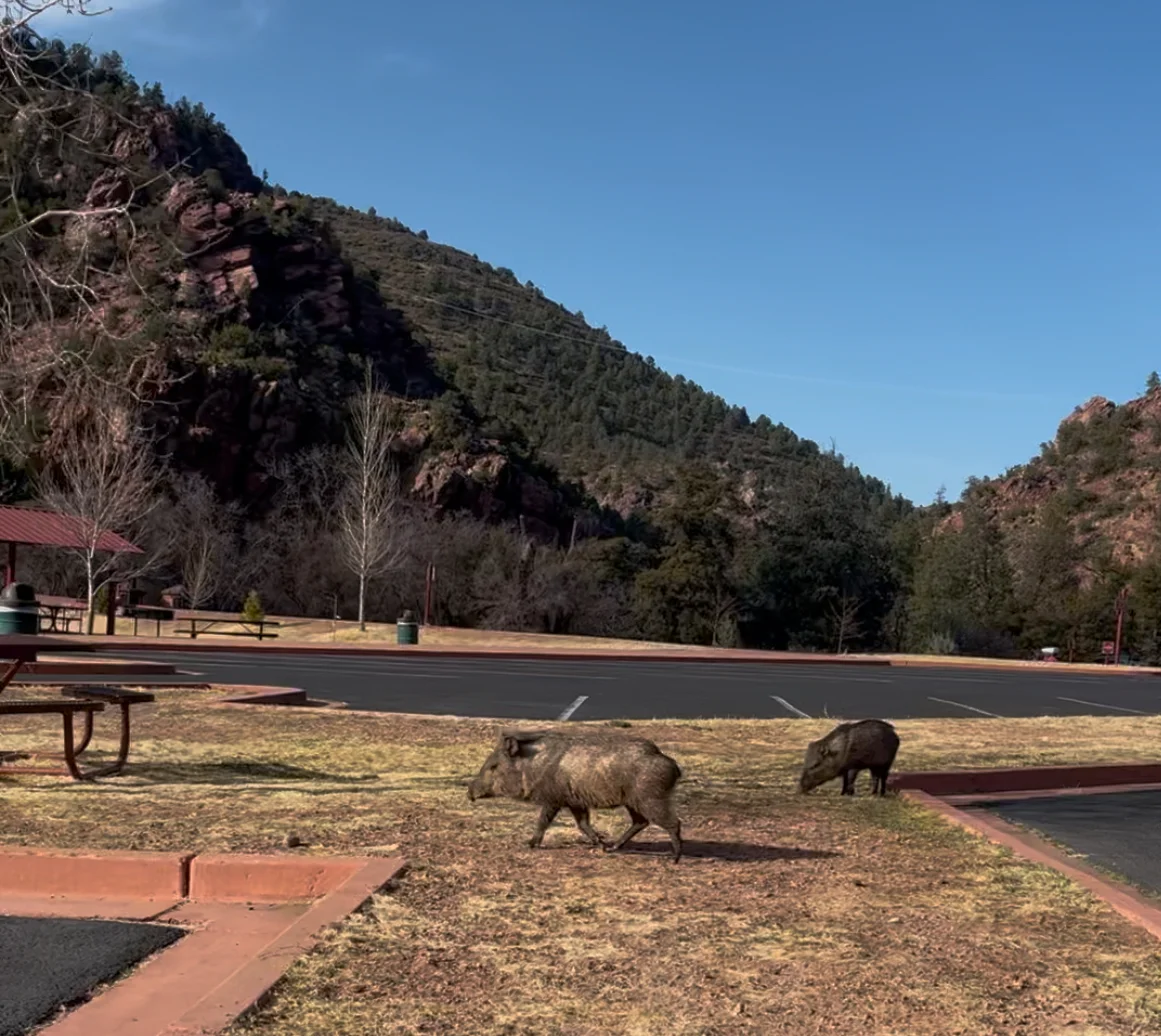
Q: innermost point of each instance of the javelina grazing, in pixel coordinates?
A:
(580, 772)
(869, 744)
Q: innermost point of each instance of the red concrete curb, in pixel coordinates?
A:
(93, 874)
(250, 986)
(247, 918)
(230, 878)
(532, 654)
(753, 656)
(1126, 901)
(1028, 778)
(264, 695)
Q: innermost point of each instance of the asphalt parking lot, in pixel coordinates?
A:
(1117, 831)
(632, 689)
(49, 961)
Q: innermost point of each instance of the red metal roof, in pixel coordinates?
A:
(35, 528)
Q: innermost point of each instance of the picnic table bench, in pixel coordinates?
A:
(250, 627)
(86, 700)
(152, 612)
(61, 613)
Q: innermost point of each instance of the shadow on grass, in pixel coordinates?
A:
(738, 852)
(234, 772)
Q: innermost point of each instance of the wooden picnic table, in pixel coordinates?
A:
(58, 613)
(18, 648)
(86, 700)
(147, 611)
(250, 627)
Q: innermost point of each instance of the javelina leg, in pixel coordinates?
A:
(581, 816)
(663, 816)
(879, 776)
(849, 781)
(547, 816)
(635, 828)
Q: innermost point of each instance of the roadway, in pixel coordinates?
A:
(642, 689)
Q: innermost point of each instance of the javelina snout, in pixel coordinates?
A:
(869, 744)
(580, 772)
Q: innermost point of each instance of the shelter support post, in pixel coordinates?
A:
(10, 567)
(111, 611)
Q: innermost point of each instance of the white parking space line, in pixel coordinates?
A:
(1101, 705)
(966, 679)
(961, 705)
(567, 714)
(790, 708)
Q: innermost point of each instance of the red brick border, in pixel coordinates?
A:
(947, 792)
(249, 918)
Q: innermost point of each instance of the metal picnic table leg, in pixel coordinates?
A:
(122, 750)
(14, 667)
(70, 755)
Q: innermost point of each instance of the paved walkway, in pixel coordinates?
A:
(48, 961)
(1117, 831)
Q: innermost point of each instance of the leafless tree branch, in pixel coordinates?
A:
(107, 480)
(372, 538)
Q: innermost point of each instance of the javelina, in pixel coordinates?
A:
(582, 772)
(869, 744)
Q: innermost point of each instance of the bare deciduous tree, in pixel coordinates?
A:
(844, 614)
(202, 536)
(106, 479)
(370, 531)
(60, 267)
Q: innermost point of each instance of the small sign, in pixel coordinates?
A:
(1108, 647)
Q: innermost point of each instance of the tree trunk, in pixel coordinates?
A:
(362, 600)
(92, 594)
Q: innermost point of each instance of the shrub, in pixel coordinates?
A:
(252, 609)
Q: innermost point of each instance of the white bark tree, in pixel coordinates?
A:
(371, 534)
(106, 479)
(202, 530)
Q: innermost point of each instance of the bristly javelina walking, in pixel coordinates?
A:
(584, 771)
(869, 744)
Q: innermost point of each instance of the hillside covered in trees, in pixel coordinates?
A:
(1039, 556)
(555, 479)
(155, 288)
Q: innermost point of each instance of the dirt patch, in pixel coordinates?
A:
(790, 914)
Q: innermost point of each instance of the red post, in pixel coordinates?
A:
(427, 594)
(111, 610)
(1121, 601)
(10, 568)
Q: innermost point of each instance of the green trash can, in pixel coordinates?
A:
(19, 609)
(406, 629)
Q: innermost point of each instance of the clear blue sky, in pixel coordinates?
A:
(925, 229)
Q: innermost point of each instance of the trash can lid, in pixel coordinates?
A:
(21, 592)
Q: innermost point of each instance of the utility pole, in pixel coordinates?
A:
(1122, 601)
(430, 582)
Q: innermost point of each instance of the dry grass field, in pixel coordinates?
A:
(790, 913)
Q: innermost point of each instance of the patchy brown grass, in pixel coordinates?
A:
(790, 914)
